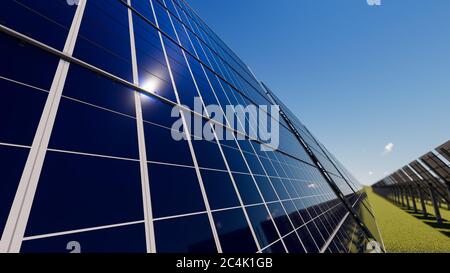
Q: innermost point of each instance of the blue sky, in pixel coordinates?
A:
(359, 76)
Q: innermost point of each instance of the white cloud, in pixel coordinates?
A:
(388, 148)
(370, 173)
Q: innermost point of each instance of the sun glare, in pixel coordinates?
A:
(151, 86)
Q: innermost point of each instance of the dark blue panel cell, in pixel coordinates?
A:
(332, 248)
(266, 188)
(186, 234)
(202, 83)
(163, 20)
(315, 234)
(307, 240)
(268, 167)
(20, 111)
(280, 218)
(77, 192)
(262, 224)
(47, 21)
(293, 244)
(275, 248)
(235, 160)
(247, 189)
(154, 76)
(181, 74)
(195, 42)
(279, 187)
(160, 140)
(234, 232)
(246, 146)
(301, 207)
(289, 170)
(255, 165)
(271, 156)
(301, 187)
(220, 190)
(12, 160)
(208, 154)
(143, 8)
(26, 63)
(279, 169)
(322, 226)
(293, 213)
(171, 7)
(330, 218)
(217, 88)
(289, 188)
(309, 202)
(156, 111)
(84, 128)
(174, 190)
(85, 85)
(104, 24)
(124, 239)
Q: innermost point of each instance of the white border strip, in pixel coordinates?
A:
(145, 184)
(18, 216)
(35, 237)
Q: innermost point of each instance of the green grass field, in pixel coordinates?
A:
(404, 231)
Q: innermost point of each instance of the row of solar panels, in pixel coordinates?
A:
(426, 179)
(339, 178)
(97, 100)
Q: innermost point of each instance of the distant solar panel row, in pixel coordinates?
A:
(426, 179)
(89, 159)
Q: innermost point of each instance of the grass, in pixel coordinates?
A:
(405, 231)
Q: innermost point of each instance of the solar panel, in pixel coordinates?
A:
(107, 141)
(437, 165)
(444, 150)
(427, 176)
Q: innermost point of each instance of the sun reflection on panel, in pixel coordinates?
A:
(151, 86)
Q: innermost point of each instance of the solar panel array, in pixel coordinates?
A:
(89, 161)
(424, 180)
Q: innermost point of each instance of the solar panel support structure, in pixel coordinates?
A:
(434, 201)
(413, 198)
